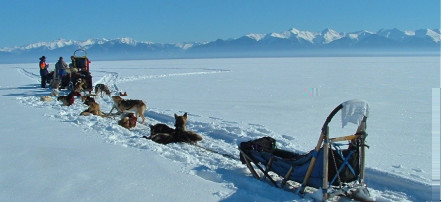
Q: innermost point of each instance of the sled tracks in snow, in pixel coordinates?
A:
(112, 79)
(142, 77)
(30, 75)
(218, 135)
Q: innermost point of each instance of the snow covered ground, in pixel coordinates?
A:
(50, 153)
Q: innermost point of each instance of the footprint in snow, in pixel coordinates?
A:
(255, 125)
(229, 122)
(397, 166)
(417, 170)
(288, 137)
(208, 174)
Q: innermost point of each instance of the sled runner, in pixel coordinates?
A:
(329, 167)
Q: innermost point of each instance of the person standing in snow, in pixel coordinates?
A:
(44, 73)
(61, 68)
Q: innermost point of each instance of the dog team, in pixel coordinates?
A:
(129, 110)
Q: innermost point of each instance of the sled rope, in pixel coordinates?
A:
(208, 150)
(217, 152)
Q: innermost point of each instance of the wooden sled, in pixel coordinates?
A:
(336, 171)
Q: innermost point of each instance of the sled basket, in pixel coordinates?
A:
(328, 167)
(80, 60)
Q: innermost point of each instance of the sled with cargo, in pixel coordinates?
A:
(336, 166)
(79, 69)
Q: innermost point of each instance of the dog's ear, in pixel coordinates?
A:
(176, 116)
(185, 116)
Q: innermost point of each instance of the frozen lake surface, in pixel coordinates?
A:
(234, 100)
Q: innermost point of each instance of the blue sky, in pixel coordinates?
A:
(171, 21)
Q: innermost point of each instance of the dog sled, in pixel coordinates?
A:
(329, 167)
(79, 70)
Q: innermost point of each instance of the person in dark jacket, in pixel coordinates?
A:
(44, 73)
(61, 68)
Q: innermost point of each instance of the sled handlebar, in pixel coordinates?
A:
(330, 116)
(82, 50)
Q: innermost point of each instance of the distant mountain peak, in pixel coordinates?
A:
(330, 35)
(282, 35)
(294, 31)
(256, 37)
(428, 33)
(128, 41)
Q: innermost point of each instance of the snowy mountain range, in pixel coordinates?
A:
(287, 43)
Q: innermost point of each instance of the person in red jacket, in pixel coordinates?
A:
(44, 73)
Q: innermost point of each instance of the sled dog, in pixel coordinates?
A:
(55, 83)
(46, 98)
(128, 120)
(79, 85)
(69, 99)
(94, 108)
(123, 105)
(163, 134)
(65, 100)
(180, 124)
(87, 99)
(160, 128)
(101, 88)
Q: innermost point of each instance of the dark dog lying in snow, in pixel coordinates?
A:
(69, 99)
(163, 134)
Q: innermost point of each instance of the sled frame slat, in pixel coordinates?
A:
(268, 166)
(248, 161)
(287, 176)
